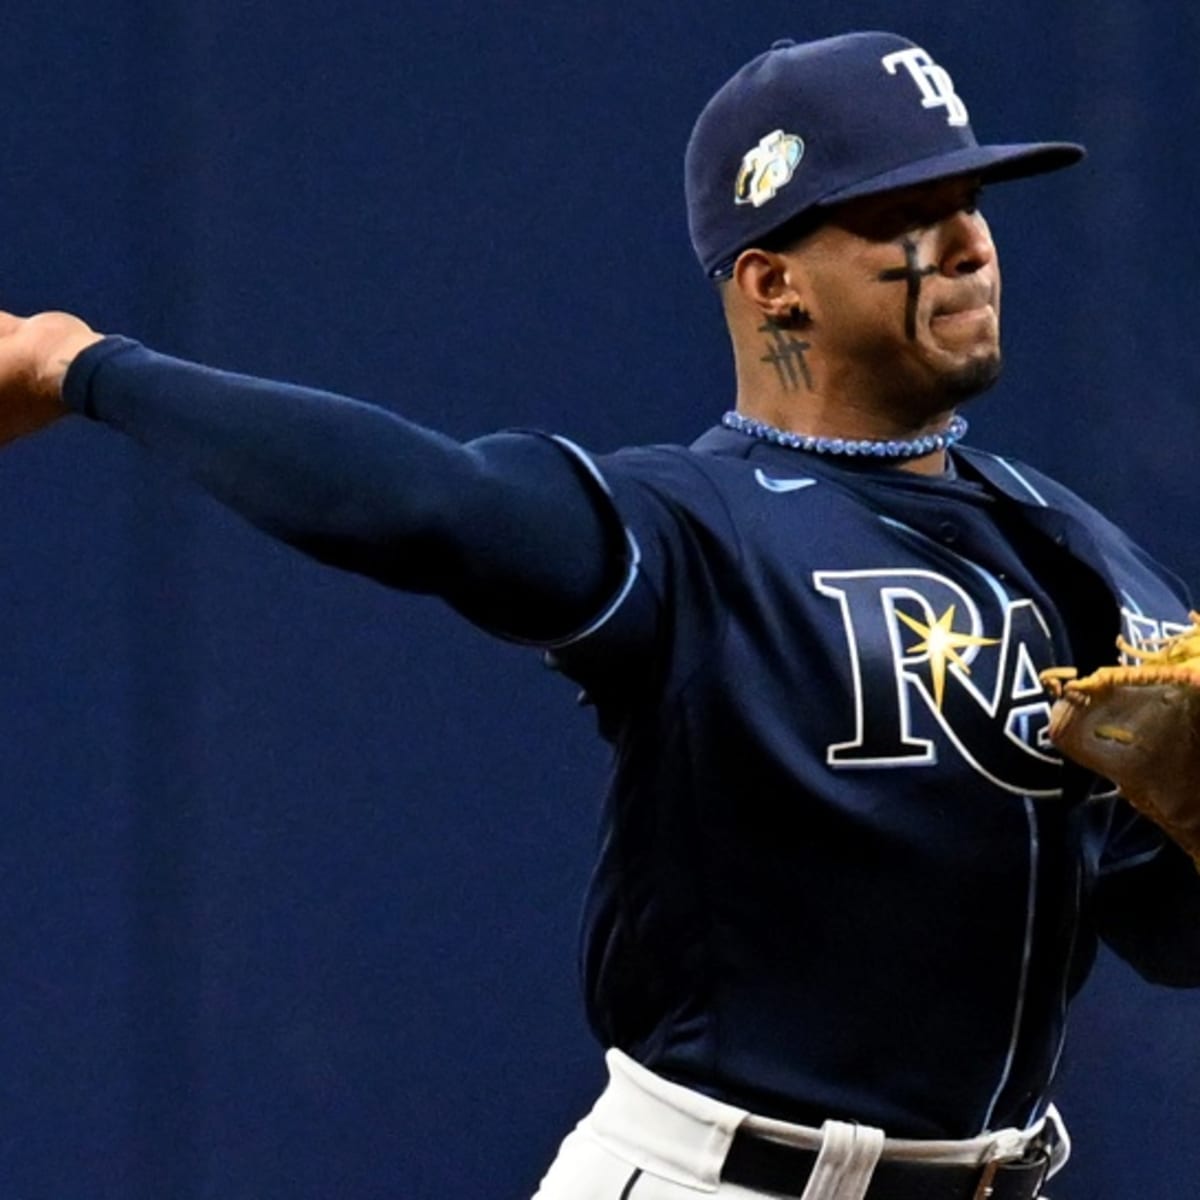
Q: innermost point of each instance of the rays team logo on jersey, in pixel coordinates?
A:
(933, 82)
(936, 669)
(930, 674)
(767, 168)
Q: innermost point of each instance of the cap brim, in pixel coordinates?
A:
(992, 164)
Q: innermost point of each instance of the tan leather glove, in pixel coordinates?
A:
(1139, 726)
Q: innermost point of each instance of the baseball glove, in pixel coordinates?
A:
(1139, 725)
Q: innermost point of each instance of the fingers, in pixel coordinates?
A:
(9, 323)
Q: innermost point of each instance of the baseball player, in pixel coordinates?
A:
(847, 884)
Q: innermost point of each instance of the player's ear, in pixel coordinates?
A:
(771, 284)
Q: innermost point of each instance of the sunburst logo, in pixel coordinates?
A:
(941, 645)
(928, 687)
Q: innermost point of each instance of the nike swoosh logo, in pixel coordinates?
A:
(781, 485)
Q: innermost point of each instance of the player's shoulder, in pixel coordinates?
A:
(1028, 485)
(715, 462)
(719, 494)
(721, 472)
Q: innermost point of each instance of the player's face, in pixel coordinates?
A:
(905, 286)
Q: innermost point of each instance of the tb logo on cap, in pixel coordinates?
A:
(937, 88)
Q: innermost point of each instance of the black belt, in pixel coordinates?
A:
(767, 1166)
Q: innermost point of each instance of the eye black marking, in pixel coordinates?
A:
(911, 274)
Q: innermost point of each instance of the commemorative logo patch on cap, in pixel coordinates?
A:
(767, 168)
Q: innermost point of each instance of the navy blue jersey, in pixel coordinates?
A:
(843, 872)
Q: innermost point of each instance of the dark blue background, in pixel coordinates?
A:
(291, 865)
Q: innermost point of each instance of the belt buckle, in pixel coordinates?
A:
(986, 1187)
(987, 1180)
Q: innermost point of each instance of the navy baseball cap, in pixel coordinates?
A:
(803, 127)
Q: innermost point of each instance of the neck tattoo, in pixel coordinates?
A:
(787, 354)
(862, 447)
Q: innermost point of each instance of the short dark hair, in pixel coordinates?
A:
(786, 237)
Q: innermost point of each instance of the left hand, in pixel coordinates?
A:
(35, 353)
(1139, 726)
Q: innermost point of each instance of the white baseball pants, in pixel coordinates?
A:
(648, 1139)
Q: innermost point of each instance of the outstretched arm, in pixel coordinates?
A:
(513, 529)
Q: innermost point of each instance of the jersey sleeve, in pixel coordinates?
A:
(1147, 902)
(516, 530)
(685, 554)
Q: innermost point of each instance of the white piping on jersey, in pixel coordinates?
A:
(1063, 1002)
(1133, 606)
(1020, 479)
(1126, 864)
(1026, 956)
(635, 553)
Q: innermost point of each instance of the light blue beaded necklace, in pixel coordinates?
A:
(863, 447)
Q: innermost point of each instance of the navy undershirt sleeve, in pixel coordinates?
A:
(1149, 914)
(511, 529)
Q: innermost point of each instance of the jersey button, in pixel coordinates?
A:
(948, 532)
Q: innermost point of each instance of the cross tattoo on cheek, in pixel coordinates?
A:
(912, 273)
(787, 355)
